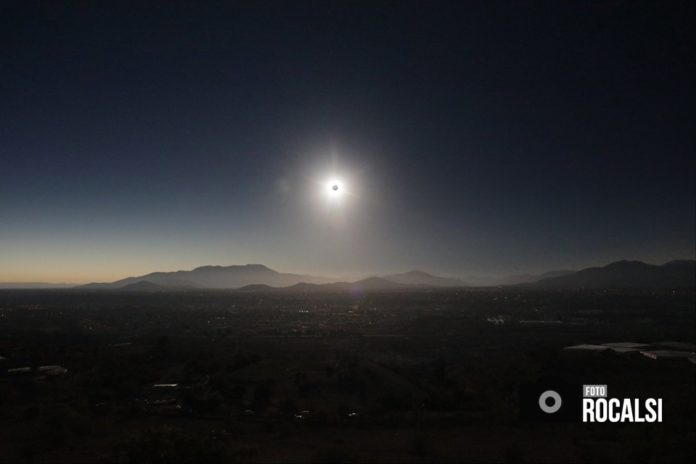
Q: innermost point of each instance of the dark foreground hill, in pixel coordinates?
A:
(628, 274)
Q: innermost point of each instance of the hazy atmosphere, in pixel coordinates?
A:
(467, 138)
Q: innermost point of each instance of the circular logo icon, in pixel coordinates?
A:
(550, 401)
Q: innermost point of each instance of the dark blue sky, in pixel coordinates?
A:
(474, 137)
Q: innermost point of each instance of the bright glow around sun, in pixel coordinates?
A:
(334, 190)
(335, 187)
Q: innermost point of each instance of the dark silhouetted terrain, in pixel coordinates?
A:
(257, 277)
(628, 274)
(266, 375)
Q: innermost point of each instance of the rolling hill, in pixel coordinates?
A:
(423, 278)
(627, 274)
(364, 285)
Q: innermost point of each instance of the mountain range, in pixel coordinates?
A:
(620, 274)
(627, 274)
(257, 277)
(215, 277)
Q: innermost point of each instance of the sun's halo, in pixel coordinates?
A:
(335, 187)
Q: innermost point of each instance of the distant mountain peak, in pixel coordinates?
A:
(215, 276)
